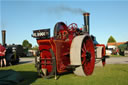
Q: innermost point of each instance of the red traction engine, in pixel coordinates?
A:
(70, 49)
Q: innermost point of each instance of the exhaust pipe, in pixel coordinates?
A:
(3, 37)
(86, 22)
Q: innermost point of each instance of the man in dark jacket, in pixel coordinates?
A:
(2, 55)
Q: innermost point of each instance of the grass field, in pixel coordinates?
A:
(108, 75)
(117, 56)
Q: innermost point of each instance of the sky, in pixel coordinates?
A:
(20, 17)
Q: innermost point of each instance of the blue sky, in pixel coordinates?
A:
(20, 17)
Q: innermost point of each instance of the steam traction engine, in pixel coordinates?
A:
(13, 52)
(70, 49)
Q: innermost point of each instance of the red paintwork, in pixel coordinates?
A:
(88, 66)
(61, 49)
(60, 44)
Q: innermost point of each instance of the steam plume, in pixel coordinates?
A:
(61, 9)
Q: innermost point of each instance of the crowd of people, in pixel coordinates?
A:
(2, 56)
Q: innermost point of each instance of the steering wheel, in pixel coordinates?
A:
(72, 27)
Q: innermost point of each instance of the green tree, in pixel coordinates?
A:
(35, 47)
(30, 45)
(26, 44)
(111, 39)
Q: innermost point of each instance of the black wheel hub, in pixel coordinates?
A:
(88, 56)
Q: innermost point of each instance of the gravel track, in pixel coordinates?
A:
(111, 60)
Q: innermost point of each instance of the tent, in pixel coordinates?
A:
(10, 77)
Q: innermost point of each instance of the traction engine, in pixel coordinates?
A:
(71, 49)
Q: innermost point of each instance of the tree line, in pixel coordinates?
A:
(28, 45)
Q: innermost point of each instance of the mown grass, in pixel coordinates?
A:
(108, 75)
(117, 56)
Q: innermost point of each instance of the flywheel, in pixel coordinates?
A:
(82, 53)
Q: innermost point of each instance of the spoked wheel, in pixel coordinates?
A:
(46, 68)
(82, 53)
(87, 56)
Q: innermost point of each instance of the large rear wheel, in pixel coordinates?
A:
(82, 53)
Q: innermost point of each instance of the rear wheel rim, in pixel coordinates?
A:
(87, 56)
(78, 56)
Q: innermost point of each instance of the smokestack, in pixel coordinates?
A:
(3, 37)
(86, 22)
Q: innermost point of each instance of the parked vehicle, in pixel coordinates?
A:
(13, 52)
(123, 48)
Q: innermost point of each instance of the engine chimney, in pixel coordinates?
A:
(86, 22)
(3, 37)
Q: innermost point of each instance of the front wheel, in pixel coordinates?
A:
(46, 64)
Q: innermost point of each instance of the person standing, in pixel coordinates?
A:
(2, 55)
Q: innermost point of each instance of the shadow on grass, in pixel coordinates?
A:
(28, 77)
(62, 74)
(31, 76)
